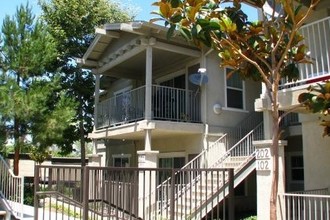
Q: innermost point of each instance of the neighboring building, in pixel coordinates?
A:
(307, 153)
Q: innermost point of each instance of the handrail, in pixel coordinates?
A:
(323, 191)
(11, 189)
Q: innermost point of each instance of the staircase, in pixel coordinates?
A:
(240, 156)
(11, 191)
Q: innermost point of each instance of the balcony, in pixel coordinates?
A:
(167, 104)
(316, 37)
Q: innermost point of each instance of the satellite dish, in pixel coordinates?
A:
(199, 78)
(268, 8)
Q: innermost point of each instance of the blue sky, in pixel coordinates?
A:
(142, 7)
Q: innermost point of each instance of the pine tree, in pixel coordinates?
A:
(32, 105)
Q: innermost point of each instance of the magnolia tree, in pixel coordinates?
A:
(317, 100)
(267, 50)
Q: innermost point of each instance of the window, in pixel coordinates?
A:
(234, 91)
(297, 168)
(170, 162)
(122, 104)
(121, 160)
(176, 82)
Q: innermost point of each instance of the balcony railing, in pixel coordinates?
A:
(316, 36)
(167, 103)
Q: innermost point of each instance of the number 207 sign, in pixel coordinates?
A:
(263, 159)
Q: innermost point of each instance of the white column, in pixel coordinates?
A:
(148, 114)
(147, 140)
(147, 182)
(268, 124)
(264, 177)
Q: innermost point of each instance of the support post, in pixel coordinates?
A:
(231, 195)
(85, 188)
(147, 180)
(36, 189)
(148, 114)
(264, 163)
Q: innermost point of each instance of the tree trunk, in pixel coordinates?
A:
(16, 147)
(274, 192)
(82, 135)
(275, 156)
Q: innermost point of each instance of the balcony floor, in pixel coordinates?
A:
(135, 130)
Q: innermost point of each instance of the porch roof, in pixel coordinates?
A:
(119, 60)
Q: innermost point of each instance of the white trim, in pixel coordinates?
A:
(122, 156)
(234, 110)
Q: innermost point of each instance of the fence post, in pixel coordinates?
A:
(36, 189)
(172, 200)
(231, 196)
(85, 189)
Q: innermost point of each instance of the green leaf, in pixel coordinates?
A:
(291, 71)
(175, 19)
(175, 3)
(214, 24)
(185, 33)
(202, 22)
(170, 31)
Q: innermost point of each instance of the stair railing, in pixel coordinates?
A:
(11, 189)
(199, 161)
(209, 156)
(243, 148)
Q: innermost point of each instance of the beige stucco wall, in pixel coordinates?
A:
(316, 153)
(323, 10)
(183, 146)
(215, 93)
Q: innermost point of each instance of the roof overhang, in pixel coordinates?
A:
(142, 35)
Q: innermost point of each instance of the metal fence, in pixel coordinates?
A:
(68, 192)
(306, 206)
(11, 189)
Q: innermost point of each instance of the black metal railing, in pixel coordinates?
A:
(167, 103)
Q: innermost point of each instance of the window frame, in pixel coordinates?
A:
(242, 90)
(121, 156)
